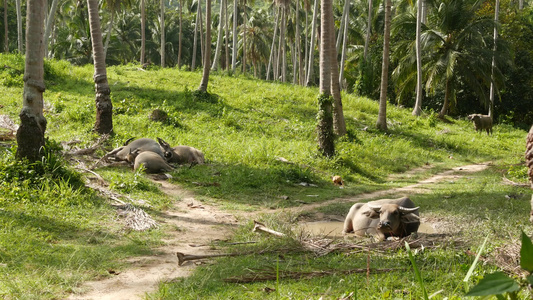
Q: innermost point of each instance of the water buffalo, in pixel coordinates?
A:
(181, 154)
(138, 146)
(481, 122)
(152, 162)
(383, 218)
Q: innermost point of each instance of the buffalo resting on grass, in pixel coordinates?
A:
(383, 218)
(155, 156)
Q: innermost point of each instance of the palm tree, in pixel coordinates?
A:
(458, 46)
(19, 25)
(48, 27)
(163, 42)
(382, 114)
(312, 45)
(234, 36)
(220, 36)
(417, 110)
(143, 32)
(6, 31)
(104, 107)
(207, 52)
(272, 54)
(325, 119)
(30, 135)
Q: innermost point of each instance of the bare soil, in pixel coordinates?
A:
(195, 225)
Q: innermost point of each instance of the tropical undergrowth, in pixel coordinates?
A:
(260, 145)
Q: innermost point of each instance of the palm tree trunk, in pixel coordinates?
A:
(219, 38)
(282, 46)
(207, 55)
(325, 119)
(303, 78)
(382, 114)
(339, 125)
(418, 104)
(143, 32)
(446, 104)
(109, 29)
(312, 46)
(202, 46)
(180, 33)
(19, 25)
(235, 37)
(340, 34)
(273, 45)
(162, 3)
(297, 52)
(226, 30)
(30, 134)
(195, 39)
(244, 30)
(48, 27)
(344, 45)
(492, 87)
(368, 29)
(6, 31)
(104, 107)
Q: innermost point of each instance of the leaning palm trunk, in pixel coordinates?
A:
(30, 135)
(418, 104)
(104, 107)
(272, 56)
(109, 29)
(207, 55)
(325, 120)
(312, 45)
(382, 114)
(344, 45)
(219, 38)
(296, 53)
(48, 27)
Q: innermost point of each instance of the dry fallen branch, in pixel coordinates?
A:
(261, 227)
(273, 275)
(510, 182)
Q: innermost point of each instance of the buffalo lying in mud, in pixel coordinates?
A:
(383, 218)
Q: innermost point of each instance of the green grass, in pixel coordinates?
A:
(56, 233)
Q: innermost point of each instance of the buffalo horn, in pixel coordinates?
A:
(408, 210)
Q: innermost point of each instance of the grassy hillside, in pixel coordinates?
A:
(243, 127)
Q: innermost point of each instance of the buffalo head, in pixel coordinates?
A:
(395, 220)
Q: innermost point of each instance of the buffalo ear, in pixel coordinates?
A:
(372, 214)
(409, 218)
(163, 143)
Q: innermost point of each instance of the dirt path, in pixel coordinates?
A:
(198, 224)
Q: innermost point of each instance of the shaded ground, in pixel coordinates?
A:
(194, 225)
